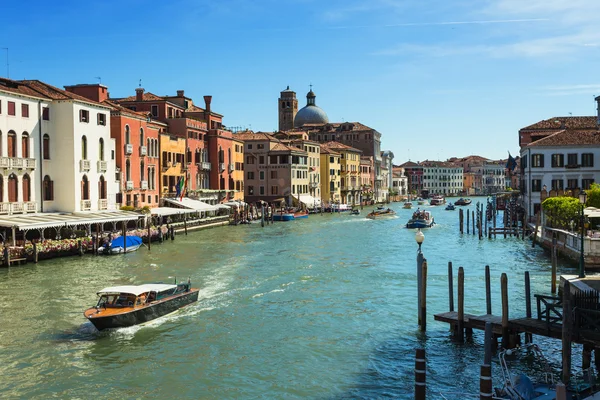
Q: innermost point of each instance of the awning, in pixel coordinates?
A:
(137, 290)
(223, 206)
(309, 201)
(53, 220)
(164, 211)
(235, 203)
(192, 204)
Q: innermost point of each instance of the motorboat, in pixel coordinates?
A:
(408, 204)
(379, 214)
(420, 219)
(121, 244)
(450, 207)
(283, 216)
(462, 202)
(355, 211)
(123, 306)
(300, 214)
(437, 200)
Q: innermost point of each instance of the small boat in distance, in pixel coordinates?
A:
(118, 245)
(437, 200)
(355, 211)
(408, 204)
(450, 207)
(420, 219)
(283, 215)
(123, 306)
(378, 214)
(462, 202)
(301, 214)
(421, 201)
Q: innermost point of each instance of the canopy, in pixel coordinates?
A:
(130, 240)
(309, 201)
(50, 220)
(164, 211)
(235, 203)
(137, 289)
(192, 204)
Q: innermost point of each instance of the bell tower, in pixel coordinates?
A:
(288, 107)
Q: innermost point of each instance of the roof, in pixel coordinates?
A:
(339, 146)
(127, 111)
(188, 203)
(49, 220)
(54, 93)
(249, 136)
(564, 122)
(146, 96)
(569, 137)
(16, 87)
(138, 289)
(326, 150)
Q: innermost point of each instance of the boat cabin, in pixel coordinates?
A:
(135, 296)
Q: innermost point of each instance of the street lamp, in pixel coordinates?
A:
(582, 200)
(420, 238)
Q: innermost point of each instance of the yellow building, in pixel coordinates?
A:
(350, 171)
(237, 176)
(330, 176)
(172, 167)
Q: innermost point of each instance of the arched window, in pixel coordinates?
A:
(149, 145)
(142, 171)
(84, 147)
(141, 136)
(101, 150)
(12, 188)
(26, 188)
(188, 156)
(25, 145)
(126, 134)
(102, 187)
(46, 146)
(127, 170)
(11, 144)
(85, 188)
(48, 189)
(1, 143)
(229, 155)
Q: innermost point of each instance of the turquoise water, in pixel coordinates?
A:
(323, 308)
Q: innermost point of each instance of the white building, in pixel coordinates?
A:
(387, 165)
(568, 159)
(493, 177)
(399, 182)
(442, 178)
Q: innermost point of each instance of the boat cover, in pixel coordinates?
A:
(131, 241)
(137, 289)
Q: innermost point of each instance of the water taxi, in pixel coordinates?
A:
(420, 219)
(408, 204)
(123, 306)
(450, 207)
(381, 213)
(437, 200)
(462, 202)
(300, 214)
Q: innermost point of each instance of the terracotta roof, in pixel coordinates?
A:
(195, 108)
(569, 137)
(557, 123)
(127, 111)
(326, 150)
(146, 96)
(249, 136)
(55, 93)
(340, 146)
(8, 85)
(283, 147)
(409, 164)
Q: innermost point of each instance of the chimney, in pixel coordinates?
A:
(207, 100)
(139, 94)
(180, 93)
(598, 108)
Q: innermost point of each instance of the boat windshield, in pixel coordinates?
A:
(116, 300)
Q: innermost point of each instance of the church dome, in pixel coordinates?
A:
(311, 113)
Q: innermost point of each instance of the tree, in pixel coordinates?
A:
(593, 196)
(560, 211)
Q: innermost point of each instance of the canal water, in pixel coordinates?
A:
(323, 308)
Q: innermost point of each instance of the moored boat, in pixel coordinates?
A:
(300, 214)
(355, 211)
(437, 200)
(385, 213)
(420, 219)
(462, 202)
(123, 306)
(121, 244)
(283, 216)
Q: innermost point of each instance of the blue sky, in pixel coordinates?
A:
(438, 78)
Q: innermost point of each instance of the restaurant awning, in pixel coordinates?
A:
(192, 204)
(309, 201)
(165, 211)
(52, 220)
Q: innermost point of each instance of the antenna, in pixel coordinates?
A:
(99, 79)
(7, 65)
(140, 85)
(310, 87)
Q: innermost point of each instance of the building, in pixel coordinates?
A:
(331, 176)
(443, 178)
(399, 183)
(349, 182)
(550, 126)
(367, 178)
(493, 177)
(288, 107)
(414, 173)
(311, 113)
(387, 166)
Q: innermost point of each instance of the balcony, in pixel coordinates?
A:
(572, 166)
(128, 149)
(221, 167)
(102, 165)
(84, 165)
(231, 168)
(86, 205)
(314, 185)
(144, 185)
(167, 165)
(129, 185)
(4, 162)
(206, 166)
(102, 204)
(143, 150)
(16, 163)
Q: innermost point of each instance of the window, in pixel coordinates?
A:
(523, 162)
(154, 109)
(250, 190)
(46, 146)
(101, 150)
(249, 159)
(262, 190)
(262, 175)
(84, 148)
(249, 147)
(48, 189)
(558, 160)
(572, 160)
(127, 134)
(250, 175)
(572, 183)
(273, 160)
(101, 119)
(261, 159)
(557, 184)
(331, 160)
(273, 174)
(586, 183)
(260, 146)
(46, 114)
(25, 145)
(84, 116)
(536, 185)
(274, 189)
(11, 108)
(587, 160)
(25, 110)
(537, 161)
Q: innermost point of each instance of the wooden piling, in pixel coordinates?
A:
(97, 238)
(420, 375)
(460, 331)
(6, 256)
(185, 224)
(468, 221)
(124, 233)
(450, 287)
(554, 263)
(172, 233)
(481, 223)
(485, 382)
(461, 220)
(35, 253)
(566, 333)
(504, 291)
(488, 341)
(423, 302)
(561, 391)
(473, 221)
(488, 291)
(528, 336)
(79, 247)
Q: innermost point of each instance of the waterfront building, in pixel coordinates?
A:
(237, 174)
(273, 170)
(399, 182)
(136, 137)
(441, 177)
(550, 126)
(414, 173)
(349, 182)
(330, 173)
(493, 176)
(471, 181)
(366, 178)
(387, 165)
(172, 155)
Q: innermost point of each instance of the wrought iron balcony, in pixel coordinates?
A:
(84, 165)
(143, 150)
(129, 185)
(128, 149)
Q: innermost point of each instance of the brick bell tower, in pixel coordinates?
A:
(288, 107)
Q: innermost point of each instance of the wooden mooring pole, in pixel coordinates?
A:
(554, 263)
(537, 224)
(504, 291)
(450, 287)
(423, 302)
(460, 329)
(473, 221)
(468, 221)
(420, 375)
(35, 253)
(488, 291)
(485, 382)
(528, 335)
(461, 220)
(149, 233)
(124, 233)
(566, 333)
